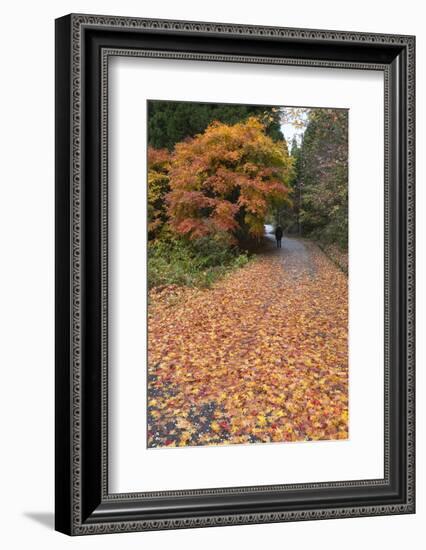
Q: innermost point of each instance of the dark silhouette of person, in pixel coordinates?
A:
(279, 235)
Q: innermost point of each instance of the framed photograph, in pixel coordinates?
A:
(234, 274)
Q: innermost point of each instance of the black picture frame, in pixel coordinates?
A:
(83, 45)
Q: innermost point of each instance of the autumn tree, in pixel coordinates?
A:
(158, 187)
(225, 179)
(170, 122)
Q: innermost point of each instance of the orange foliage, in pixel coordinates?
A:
(225, 178)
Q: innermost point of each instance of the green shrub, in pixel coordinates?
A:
(191, 263)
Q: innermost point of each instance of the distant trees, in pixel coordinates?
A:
(286, 213)
(225, 180)
(170, 122)
(321, 166)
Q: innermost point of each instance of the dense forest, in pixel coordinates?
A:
(218, 172)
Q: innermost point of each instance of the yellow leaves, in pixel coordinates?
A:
(158, 186)
(261, 420)
(215, 426)
(291, 406)
(183, 424)
(184, 438)
(261, 356)
(222, 396)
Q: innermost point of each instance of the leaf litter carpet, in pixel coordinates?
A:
(262, 356)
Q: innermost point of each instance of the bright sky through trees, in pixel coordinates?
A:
(293, 123)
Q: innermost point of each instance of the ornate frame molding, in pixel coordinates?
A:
(78, 523)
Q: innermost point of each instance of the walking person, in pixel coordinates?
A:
(279, 235)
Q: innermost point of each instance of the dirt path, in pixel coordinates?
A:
(262, 356)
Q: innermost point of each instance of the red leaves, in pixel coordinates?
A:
(198, 228)
(158, 159)
(223, 217)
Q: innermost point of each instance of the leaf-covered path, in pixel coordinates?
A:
(260, 357)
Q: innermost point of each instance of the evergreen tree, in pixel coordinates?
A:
(170, 122)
